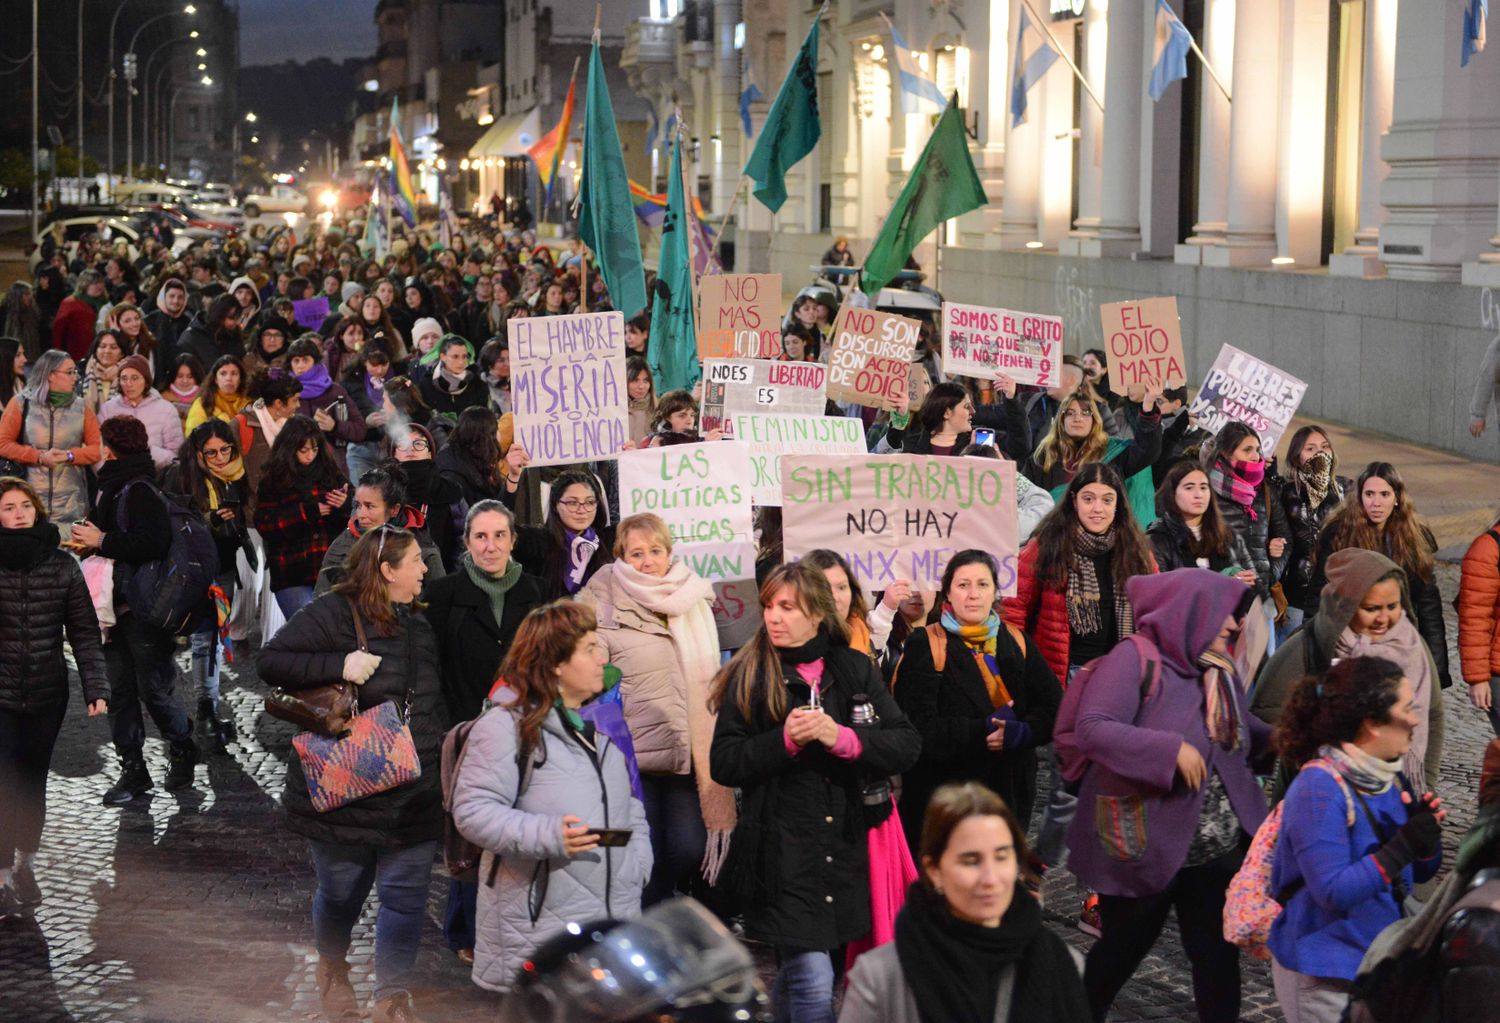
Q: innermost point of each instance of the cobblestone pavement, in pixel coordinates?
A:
(195, 906)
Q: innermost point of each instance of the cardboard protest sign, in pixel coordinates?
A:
(870, 358)
(568, 386)
(739, 316)
(1240, 386)
(900, 516)
(921, 383)
(771, 437)
(979, 342)
(310, 312)
(731, 386)
(1143, 338)
(702, 491)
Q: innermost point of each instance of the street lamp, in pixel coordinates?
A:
(113, 23)
(150, 87)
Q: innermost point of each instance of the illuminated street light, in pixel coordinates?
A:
(250, 116)
(202, 52)
(207, 80)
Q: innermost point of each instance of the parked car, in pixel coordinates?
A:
(276, 199)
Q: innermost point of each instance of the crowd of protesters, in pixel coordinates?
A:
(1197, 634)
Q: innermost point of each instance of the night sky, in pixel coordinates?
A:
(272, 31)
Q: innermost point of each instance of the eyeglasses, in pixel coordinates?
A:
(310, 448)
(1077, 413)
(417, 445)
(573, 505)
(217, 453)
(70, 372)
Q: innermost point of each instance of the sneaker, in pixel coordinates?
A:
(335, 991)
(134, 781)
(465, 956)
(23, 880)
(395, 1009)
(182, 760)
(10, 903)
(1089, 921)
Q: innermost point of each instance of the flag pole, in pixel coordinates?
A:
(1042, 24)
(734, 202)
(1206, 65)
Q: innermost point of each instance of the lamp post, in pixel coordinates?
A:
(147, 90)
(182, 85)
(130, 75)
(113, 22)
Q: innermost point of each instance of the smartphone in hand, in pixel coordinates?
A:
(612, 838)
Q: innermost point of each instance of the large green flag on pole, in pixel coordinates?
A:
(792, 127)
(943, 184)
(606, 218)
(673, 353)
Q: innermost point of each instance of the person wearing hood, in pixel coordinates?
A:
(1341, 873)
(267, 349)
(168, 321)
(1364, 610)
(43, 598)
(1167, 779)
(245, 293)
(214, 333)
(454, 383)
(73, 326)
(136, 397)
(1310, 492)
(326, 402)
(379, 499)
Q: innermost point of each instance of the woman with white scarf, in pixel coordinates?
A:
(656, 621)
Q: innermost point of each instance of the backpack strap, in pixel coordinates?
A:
(937, 637)
(523, 775)
(359, 627)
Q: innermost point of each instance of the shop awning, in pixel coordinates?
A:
(511, 135)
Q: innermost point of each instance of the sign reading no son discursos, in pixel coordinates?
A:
(568, 386)
(870, 360)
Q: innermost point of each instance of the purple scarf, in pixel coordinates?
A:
(581, 548)
(375, 389)
(315, 381)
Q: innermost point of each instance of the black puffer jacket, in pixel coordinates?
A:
(1170, 537)
(42, 594)
(1269, 524)
(1305, 523)
(309, 651)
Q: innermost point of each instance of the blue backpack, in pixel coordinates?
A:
(171, 593)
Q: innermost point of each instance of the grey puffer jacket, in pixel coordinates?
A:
(537, 889)
(42, 593)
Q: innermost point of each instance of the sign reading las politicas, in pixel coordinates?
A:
(870, 360)
(740, 316)
(1241, 387)
(900, 516)
(981, 342)
(568, 386)
(1143, 339)
(732, 386)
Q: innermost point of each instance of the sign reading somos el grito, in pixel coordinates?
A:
(1239, 386)
(900, 516)
(980, 342)
(568, 386)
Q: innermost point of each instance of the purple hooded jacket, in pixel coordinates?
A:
(1136, 817)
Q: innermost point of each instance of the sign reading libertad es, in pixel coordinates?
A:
(732, 386)
(740, 316)
(1143, 338)
(900, 516)
(981, 342)
(568, 386)
(870, 360)
(1239, 386)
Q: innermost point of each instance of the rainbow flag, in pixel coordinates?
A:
(651, 207)
(548, 151)
(403, 195)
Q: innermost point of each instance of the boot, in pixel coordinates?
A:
(214, 733)
(395, 1009)
(23, 881)
(337, 994)
(181, 761)
(134, 781)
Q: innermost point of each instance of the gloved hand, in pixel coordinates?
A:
(359, 666)
(1017, 732)
(1420, 838)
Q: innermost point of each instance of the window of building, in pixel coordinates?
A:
(1346, 74)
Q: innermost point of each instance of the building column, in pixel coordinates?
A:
(724, 142)
(1124, 86)
(1362, 259)
(1098, 41)
(1213, 134)
(989, 97)
(1023, 160)
(1250, 233)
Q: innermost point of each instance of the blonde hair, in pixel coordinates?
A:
(653, 526)
(1057, 446)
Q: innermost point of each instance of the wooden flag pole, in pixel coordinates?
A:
(1206, 65)
(734, 202)
(1042, 24)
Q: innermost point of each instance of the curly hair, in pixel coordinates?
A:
(1326, 710)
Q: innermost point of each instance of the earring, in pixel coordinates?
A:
(938, 888)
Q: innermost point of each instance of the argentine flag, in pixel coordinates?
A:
(1169, 58)
(916, 87)
(1033, 57)
(1474, 18)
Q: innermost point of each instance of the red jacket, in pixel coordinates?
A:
(73, 327)
(1042, 613)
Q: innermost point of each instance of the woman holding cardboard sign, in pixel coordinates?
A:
(948, 417)
(1078, 437)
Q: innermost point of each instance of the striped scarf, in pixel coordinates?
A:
(1084, 593)
(982, 640)
(1221, 709)
(1230, 486)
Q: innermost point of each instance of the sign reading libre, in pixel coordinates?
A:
(568, 386)
(900, 516)
(1143, 339)
(1240, 386)
(980, 342)
(870, 359)
(732, 386)
(740, 316)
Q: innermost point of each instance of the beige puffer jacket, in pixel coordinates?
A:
(651, 686)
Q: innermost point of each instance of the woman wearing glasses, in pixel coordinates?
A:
(576, 541)
(54, 435)
(300, 507)
(1078, 437)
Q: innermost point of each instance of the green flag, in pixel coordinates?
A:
(942, 185)
(672, 354)
(606, 218)
(792, 127)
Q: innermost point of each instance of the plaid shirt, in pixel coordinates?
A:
(296, 534)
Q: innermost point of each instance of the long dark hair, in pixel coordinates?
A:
(1330, 709)
(222, 312)
(282, 470)
(9, 348)
(1213, 534)
(548, 637)
(1055, 536)
(1403, 538)
(195, 478)
(474, 438)
(560, 487)
(209, 395)
(942, 399)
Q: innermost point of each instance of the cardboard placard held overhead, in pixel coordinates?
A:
(870, 358)
(900, 516)
(732, 386)
(740, 316)
(771, 437)
(1143, 339)
(568, 386)
(1239, 386)
(980, 342)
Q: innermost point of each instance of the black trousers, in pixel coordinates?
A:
(1132, 925)
(138, 659)
(26, 742)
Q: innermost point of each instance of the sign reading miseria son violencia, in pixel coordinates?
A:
(568, 386)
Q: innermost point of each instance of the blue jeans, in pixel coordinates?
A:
(346, 873)
(293, 599)
(458, 917)
(361, 458)
(1272, 639)
(803, 992)
(1294, 616)
(678, 835)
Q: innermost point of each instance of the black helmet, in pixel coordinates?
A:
(675, 962)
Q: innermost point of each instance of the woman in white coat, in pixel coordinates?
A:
(548, 797)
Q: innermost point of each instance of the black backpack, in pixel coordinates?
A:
(172, 593)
